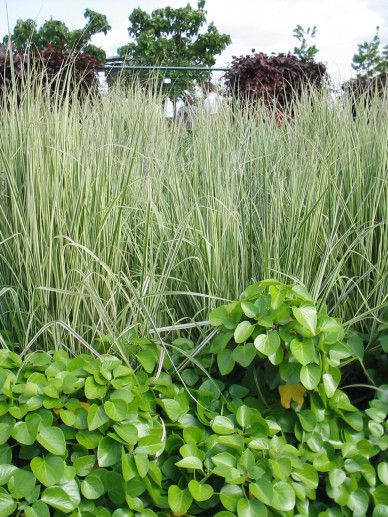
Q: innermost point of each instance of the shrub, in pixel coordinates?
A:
(362, 90)
(273, 434)
(58, 70)
(273, 79)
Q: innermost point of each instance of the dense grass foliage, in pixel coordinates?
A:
(105, 211)
(267, 431)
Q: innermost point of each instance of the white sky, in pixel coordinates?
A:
(265, 25)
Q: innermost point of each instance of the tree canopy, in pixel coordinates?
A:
(371, 59)
(174, 37)
(56, 35)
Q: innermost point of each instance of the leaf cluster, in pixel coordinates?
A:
(305, 51)
(177, 37)
(55, 35)
(370, 59)
(278, 79)
(97, 436)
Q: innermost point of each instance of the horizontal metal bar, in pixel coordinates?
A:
(154, 67)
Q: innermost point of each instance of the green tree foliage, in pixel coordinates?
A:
(371, 59)
(56, 35)
(305, 50)
(176, 37)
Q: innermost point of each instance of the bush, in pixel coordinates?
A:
(363, 90)
(273, 79)
(58, 70)
(272, 434)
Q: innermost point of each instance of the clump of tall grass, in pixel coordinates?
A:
(110, 219)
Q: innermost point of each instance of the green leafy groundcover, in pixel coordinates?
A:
(255, 425)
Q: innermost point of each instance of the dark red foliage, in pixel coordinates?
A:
(57, 70)
(273, 80)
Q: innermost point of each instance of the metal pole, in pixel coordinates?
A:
(117, 66)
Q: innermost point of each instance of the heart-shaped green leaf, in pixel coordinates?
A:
(310, 375)
(267, 343)
(303, 351)
(243, 331)
(52, 439)
(179, 500)
(306, 315)
(48, 470)
(200, 491)
(64, 498)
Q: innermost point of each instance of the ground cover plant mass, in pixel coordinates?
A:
(91, 435)
(135, 378)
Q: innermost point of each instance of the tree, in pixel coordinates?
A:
(175, 37)
(305, 50)
(54, 34)
(371, 60)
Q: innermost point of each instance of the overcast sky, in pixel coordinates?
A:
(265, 25)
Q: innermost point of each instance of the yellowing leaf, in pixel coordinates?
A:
(290, 392)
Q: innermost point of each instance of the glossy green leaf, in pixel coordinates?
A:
(147, 359)
(230, 495)
(251, 508)
(108, 452)
(222, 425)
(6, 471)
(244, 354)
(64, 498)
(310, 376)
(331, 380)
(52, 439)
(243, 331)
(356, 345)
(250, 309)
(173, 409)
(116, 410)
(262, 490)
(5, 432)
(336, 477)
(92, 487)
(227, 316)
(48, 470)
(225, 361)
(283, 496)
(26, 432)
(331, 330)
(303, 351)
(96, 417)
(200, 491)
(267, 343)
(179, 500)
(306, 315)
(142, 464)
(189, 462)
(382, 472)
(21, 483)
(7, 505)
(380, 495)
(307, 475)
(224, 459)
(84, 465)
(94, 390)
(38, 509)
(358, 502)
